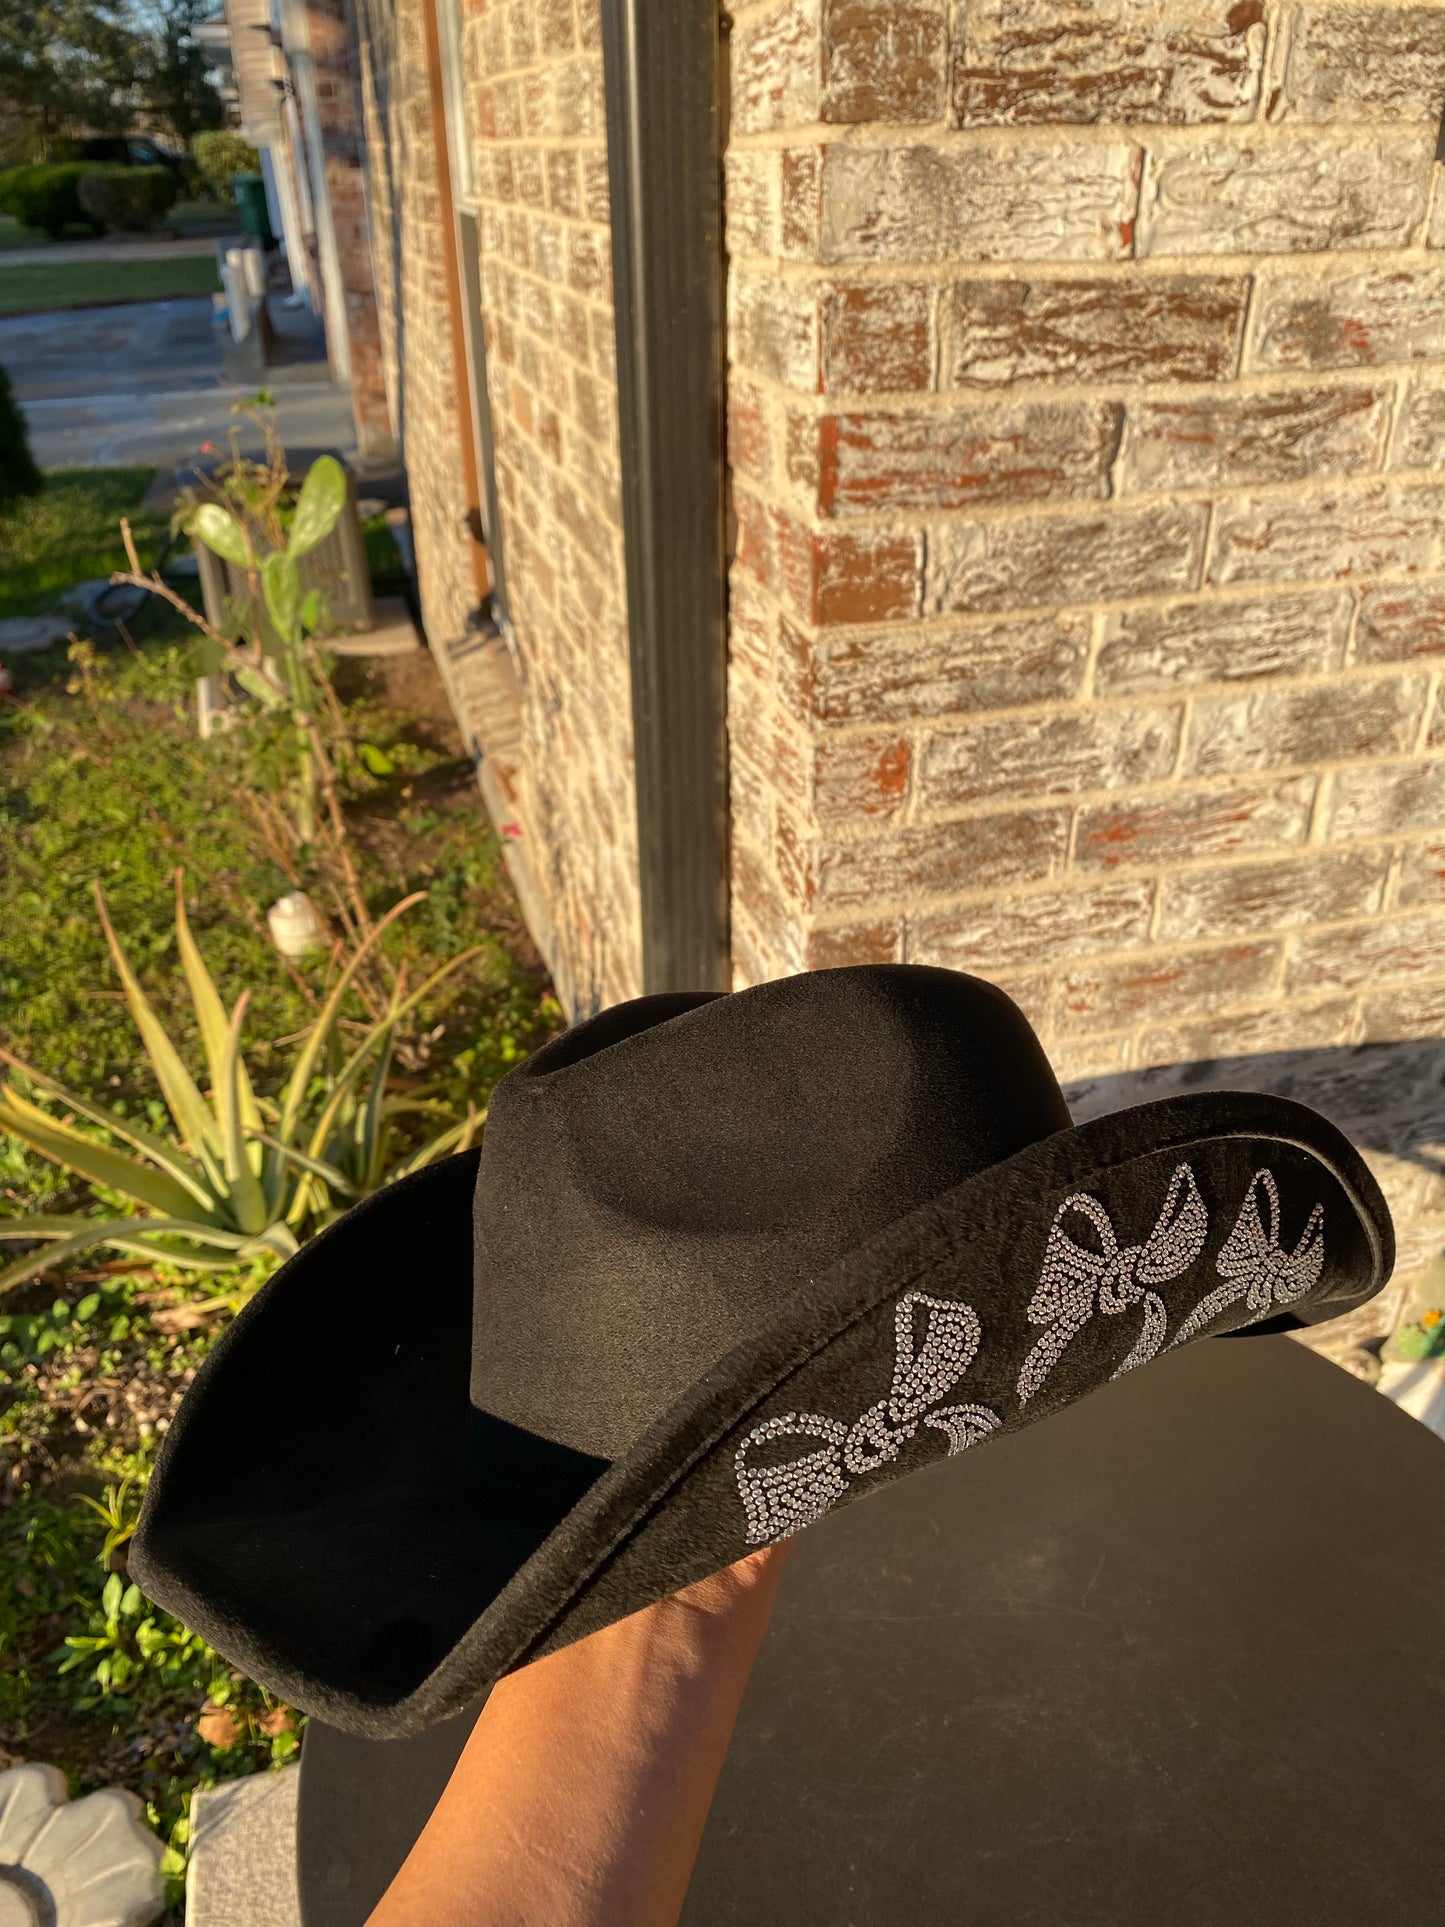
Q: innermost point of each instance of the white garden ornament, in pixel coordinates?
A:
(74, 1863)
(296, 924)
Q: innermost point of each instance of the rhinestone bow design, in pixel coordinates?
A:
(931, 1355)
(1254, 1267)
(1078, 1281)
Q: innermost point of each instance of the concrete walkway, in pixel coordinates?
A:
(145, 383)
(140, 247)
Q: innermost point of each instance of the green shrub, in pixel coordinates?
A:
(46, 196)
(129, 197)
(220, 154)
(18, 473)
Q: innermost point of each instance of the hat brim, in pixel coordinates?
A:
(332, 1513)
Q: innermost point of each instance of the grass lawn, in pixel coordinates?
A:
(102, 777)
(81, 284)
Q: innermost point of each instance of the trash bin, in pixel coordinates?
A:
(251, 205)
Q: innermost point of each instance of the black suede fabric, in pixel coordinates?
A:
(721, 1265)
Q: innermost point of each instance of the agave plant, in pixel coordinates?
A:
(242, 1174)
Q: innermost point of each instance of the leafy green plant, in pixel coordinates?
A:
(220, 155)
(1422, 1339)
(47, 195)
(132, 199)
(242, 1175)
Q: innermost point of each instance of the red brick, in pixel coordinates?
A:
(595, 196)
(878, 340)
(589, 263)
(1036, 60)
(1015, 931)
(1224, 441)
(1411, 1010)
(1014, 452)
(554, 26)
(1347, 317)
(1353, 63)
(1384, 528)
(880, 941)
(1164, 984)
(860, 777)
(752, 627)
(1422, 874)
(1087, 1058)
(750, 201)
(800, 201)
(940, 860)
(1067, 200)
(1251, 899)
(1185, 825)
(1050, 755)
(756, 895)
(1188, 643)
(1321, 723)
(1419, 440)
(884, 60)
(1040, 561)
(521, 35)
(750, 442)
(1246, 1034)
(1164, 328)
(581, 109)
(915, 670)
(1369, 954)
(861, 578)
(776, 68)
(564, 194)
(1389, 798)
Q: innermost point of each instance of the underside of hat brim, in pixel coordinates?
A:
(331, 1512)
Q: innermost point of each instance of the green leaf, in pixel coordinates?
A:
(97, 1163)
(193, 1120)
(210, 1011)
(247, 1198)
(87, 1308)
(376, 760)
(311, 609)
(110, 1598)
(281, 586)
(137, 1237)
(131, 1601)
(222, 533)
(262, 688)
(318, 509)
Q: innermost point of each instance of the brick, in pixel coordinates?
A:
(1039, 60)
(862, 578)
(1090, 1057)
(1161, 985)
(906, 865)
(1226, 441)
(1398, 623)
(1387, 529)
(1064, 201)
(884, 60)
(1094, 748)
(1368, 953)
(580, 101)
(564, 194)
(858, 777)
(1246, 1034)
(1320, 723)
(1251, 899)
(1309, 194)
(1040, 561)
(1392, 797)
(750, 201)
(1212, 641)
(756, 896)
(1188, 825)
(555, 34)
(1411, 1010)
(1018, 452)
(596, 202)
(775, 329)
(1422, 875)
(776, 67)
(1163, 328)
(1419, 440)
(1348, 318)
(878, 340)
(1012, 932)
(876, 942)
(749, 439)
(912, 670)
(1354, 63)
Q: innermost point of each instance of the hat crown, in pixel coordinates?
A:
(654, 1182)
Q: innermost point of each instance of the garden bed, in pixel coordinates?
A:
(102, 778)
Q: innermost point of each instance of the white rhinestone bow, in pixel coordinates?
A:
(1254, 1267)
(781, 1499)
(1077, 1281)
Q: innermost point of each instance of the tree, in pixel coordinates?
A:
(66, 67)
(174, 77)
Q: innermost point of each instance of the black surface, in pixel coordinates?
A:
(1178, 1655)
(665, 170)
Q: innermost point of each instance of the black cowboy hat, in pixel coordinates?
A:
(722, 1264)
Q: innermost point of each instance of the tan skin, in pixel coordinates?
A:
(580, 1798)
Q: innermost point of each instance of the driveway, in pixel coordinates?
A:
(146, 383)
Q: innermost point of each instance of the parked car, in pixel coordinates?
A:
(130, 150)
